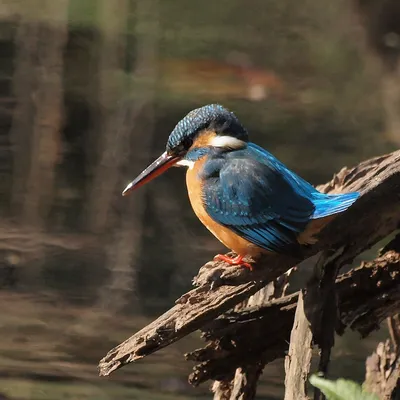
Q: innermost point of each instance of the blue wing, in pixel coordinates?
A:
(325, 204)
(254, 199)
(253, 194)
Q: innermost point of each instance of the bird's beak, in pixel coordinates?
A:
(159, 166)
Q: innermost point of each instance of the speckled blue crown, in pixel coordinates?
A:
(212, 117)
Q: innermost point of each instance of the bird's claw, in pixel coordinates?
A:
(238, 260)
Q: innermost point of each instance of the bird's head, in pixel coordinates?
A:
(203, 130)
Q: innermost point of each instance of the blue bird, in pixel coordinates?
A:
(246, 197)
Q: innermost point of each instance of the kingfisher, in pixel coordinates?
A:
(247, 198)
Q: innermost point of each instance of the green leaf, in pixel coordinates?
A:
(341, 389)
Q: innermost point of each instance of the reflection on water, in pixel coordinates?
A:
(89, 91)
(50, 349)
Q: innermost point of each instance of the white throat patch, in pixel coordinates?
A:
(227, 142)
(185, 163)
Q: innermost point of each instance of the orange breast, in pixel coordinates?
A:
(230, 239)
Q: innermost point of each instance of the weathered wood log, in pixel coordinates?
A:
(314, 323)
(243, 385)
(220, 287)
(383, 372)
(298, 360)
(366, 296)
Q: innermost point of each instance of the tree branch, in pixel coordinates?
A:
(383, 372)
(242, 386)
(298, 361)
(366, 296)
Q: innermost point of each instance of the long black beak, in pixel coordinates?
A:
(155, 169)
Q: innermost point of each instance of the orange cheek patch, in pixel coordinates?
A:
(203, 139)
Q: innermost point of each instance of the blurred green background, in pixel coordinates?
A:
(89, 91)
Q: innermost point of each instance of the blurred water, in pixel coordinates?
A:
(89, 92)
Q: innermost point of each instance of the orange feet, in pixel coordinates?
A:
(238, 260)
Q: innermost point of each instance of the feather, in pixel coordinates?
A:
(259, 198)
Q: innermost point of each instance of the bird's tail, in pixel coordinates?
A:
(326, 205)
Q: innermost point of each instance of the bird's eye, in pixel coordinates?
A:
(187, 143)
(178, 149)
(184, 145)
